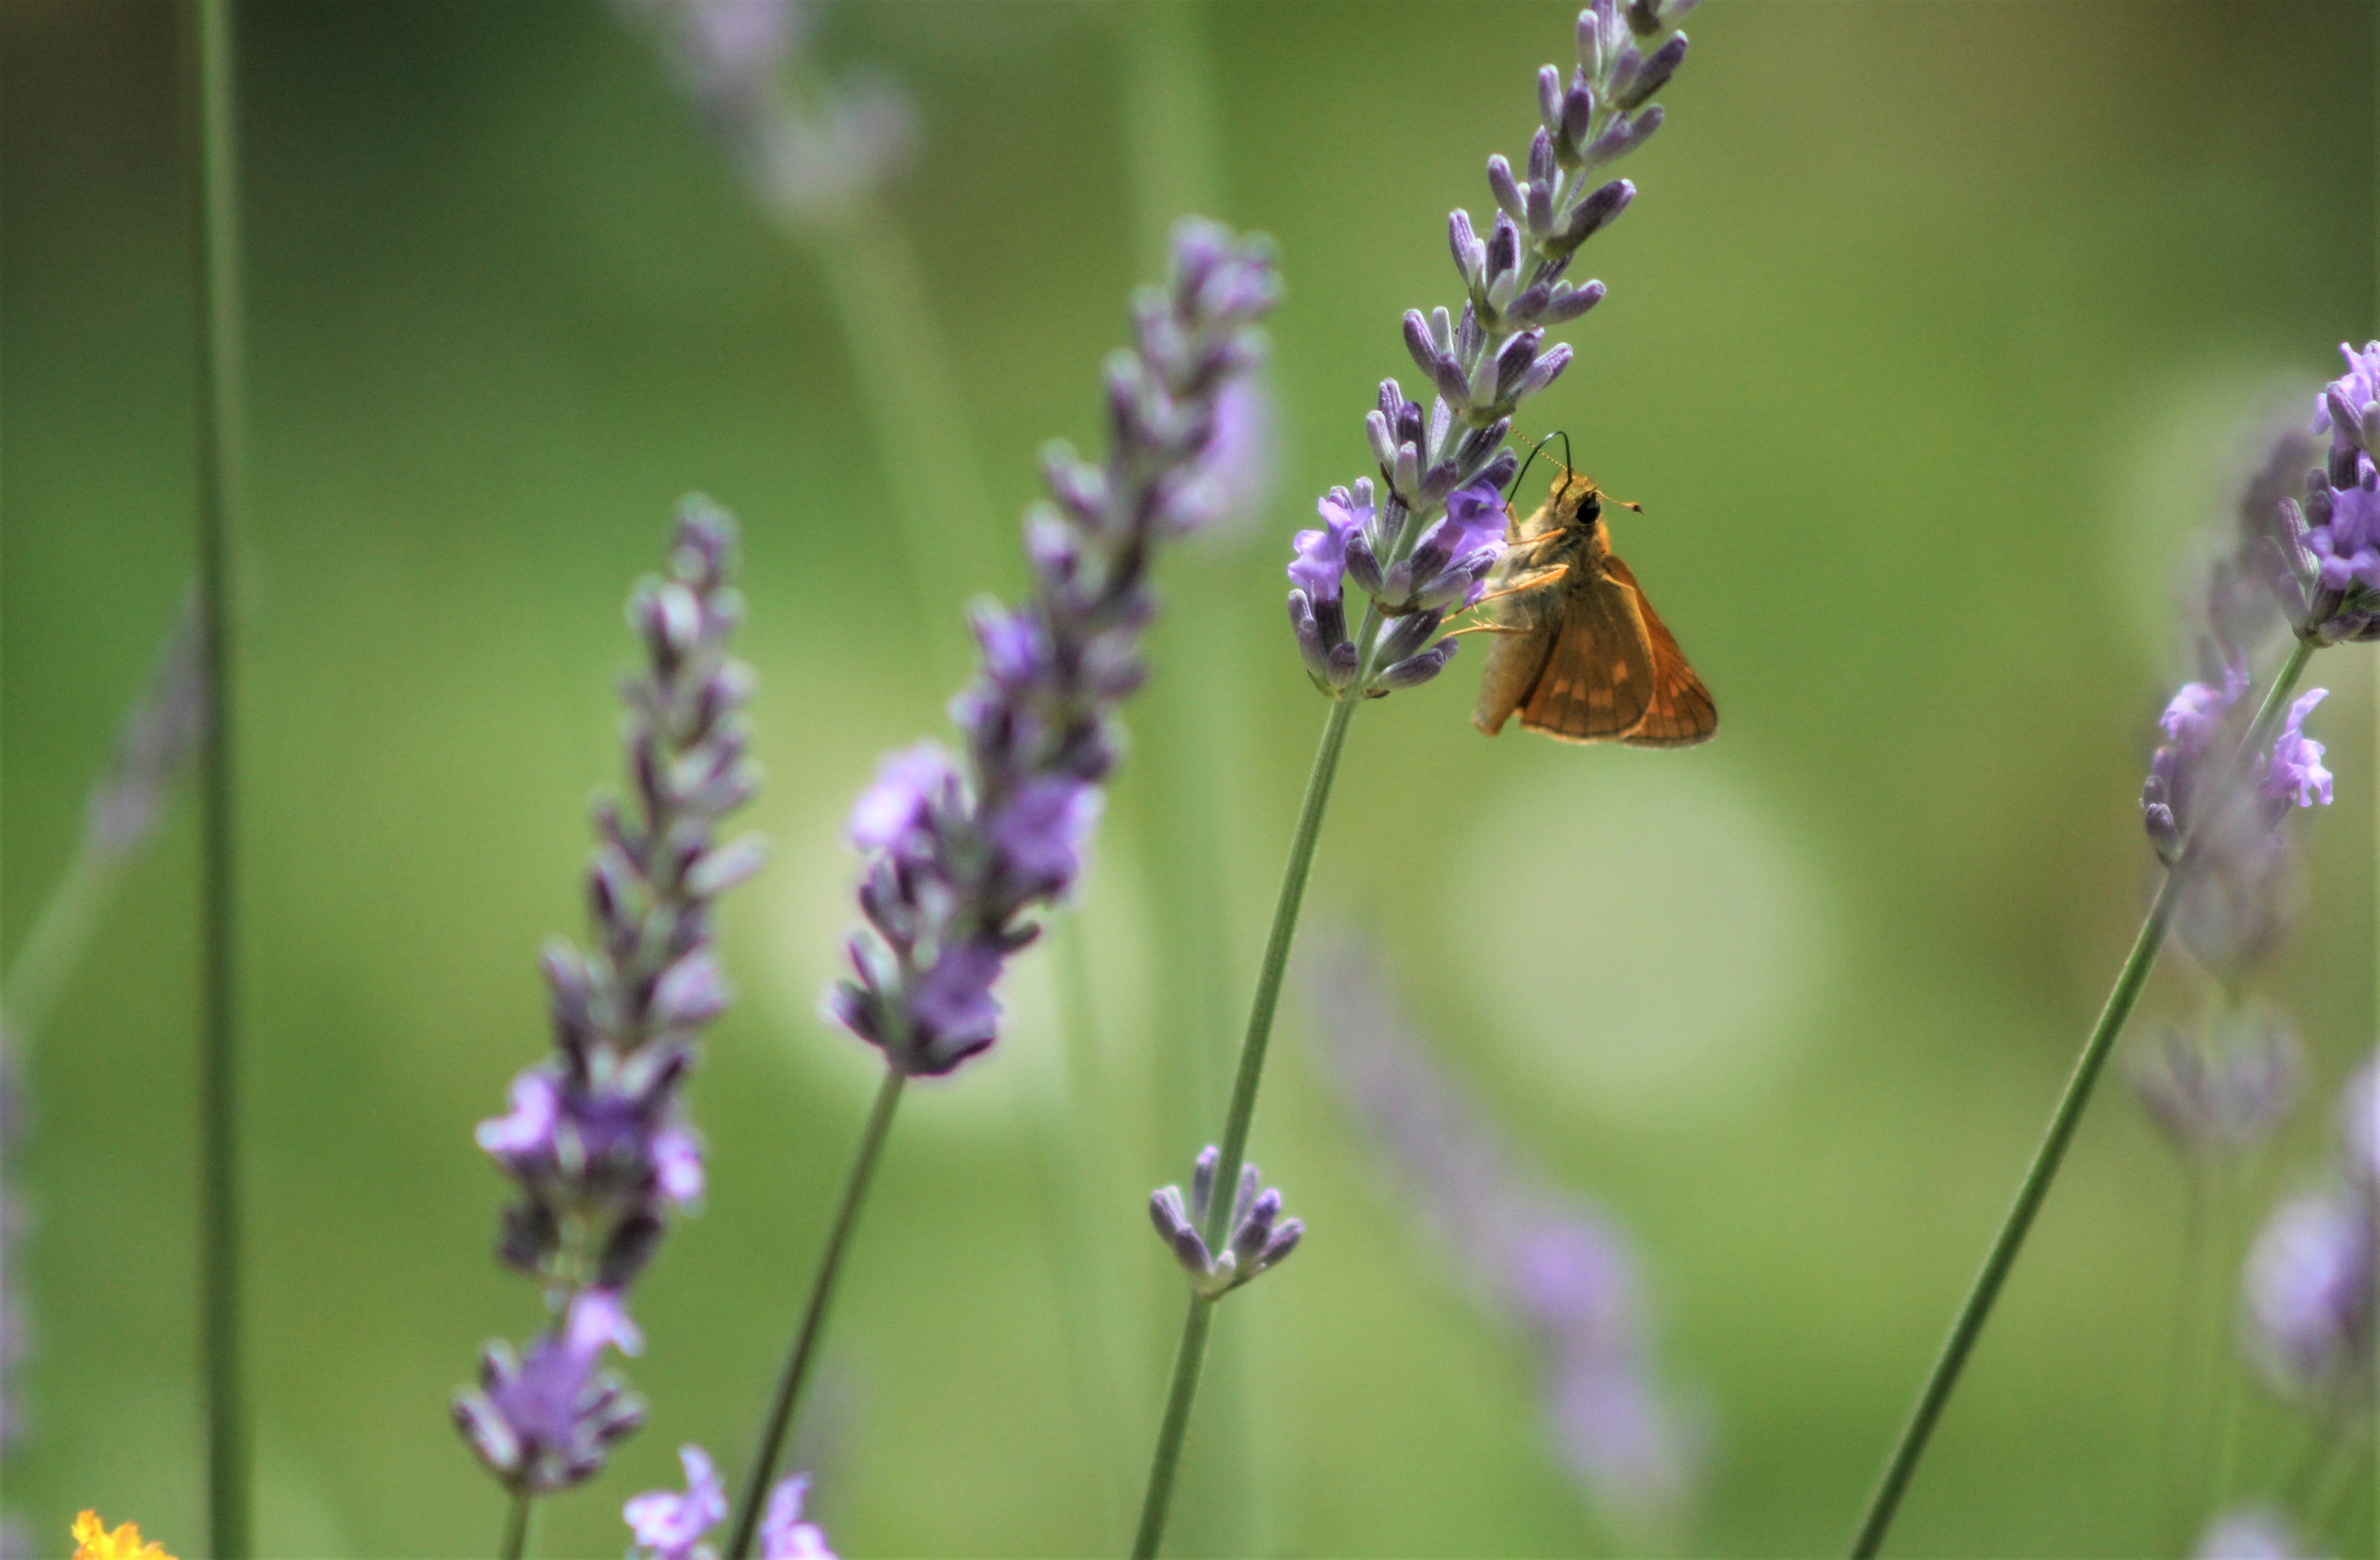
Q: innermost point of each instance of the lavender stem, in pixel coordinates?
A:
(918, 414)
(1191, 1356)
(1977, 1307)
(804, 1346)
(516, 1524)
(221, 418)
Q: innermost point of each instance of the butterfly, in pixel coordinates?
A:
(1579, 652)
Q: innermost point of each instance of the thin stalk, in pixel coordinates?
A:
(1173, 161)
(2130, 981)
(221, 419)
(2182, 1461)
(813, 1323)
(1192, 1354)
(2226, 1389)
(516, 1525)
(918, 414)
(1188, 1358)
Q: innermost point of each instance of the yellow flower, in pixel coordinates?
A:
(93, 1542)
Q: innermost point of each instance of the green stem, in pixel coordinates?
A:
(516, 1525)
(1187, 1360)
(805, 1337)
(2130, 981)
(1192, 1354)
(220, 407)
(2182, 1461)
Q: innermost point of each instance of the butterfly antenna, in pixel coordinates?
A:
(1537, 449)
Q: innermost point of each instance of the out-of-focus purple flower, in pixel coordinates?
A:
(596, 1140)
(1243, 460)
(670, 1526)
(666, 1525)
(1257, 1236)
(2348, 407)
(2193, 723)
(807, 156)
(784, 1534)
(962, 853)
(1480, 364)
(2294, 770)
(2309, 1315)
(1538, 1256)
(543, 1421)
(2253, 1532)
(2218, 1099)
(896, 813)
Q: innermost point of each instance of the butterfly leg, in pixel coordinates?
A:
(1537, 581)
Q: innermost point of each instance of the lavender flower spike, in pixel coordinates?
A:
(1259, 1237)
(597, 1140)
(807, 156)
(961, 847)
(1436, 532)
(1557, 1271)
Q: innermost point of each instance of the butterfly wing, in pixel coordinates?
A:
(1598, 679)
(1679, 710)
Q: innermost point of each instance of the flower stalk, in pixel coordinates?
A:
(798, 1358)
(2130, 980)
(221, 409)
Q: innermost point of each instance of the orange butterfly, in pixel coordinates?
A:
(1578, 650)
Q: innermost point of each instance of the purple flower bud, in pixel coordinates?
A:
(1651, 76)
(1568, 303)
(1415, 670)
(1512, 361)
(1506, 188)
(1503, 249)
(1542, 169)
(1550, 99)
(1470, 254)
(1578, 110)
(1175, 1229)
(1597, 211)
(1419, 342)
(1537, 208)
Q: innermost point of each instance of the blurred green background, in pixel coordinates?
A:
(1938, 333)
